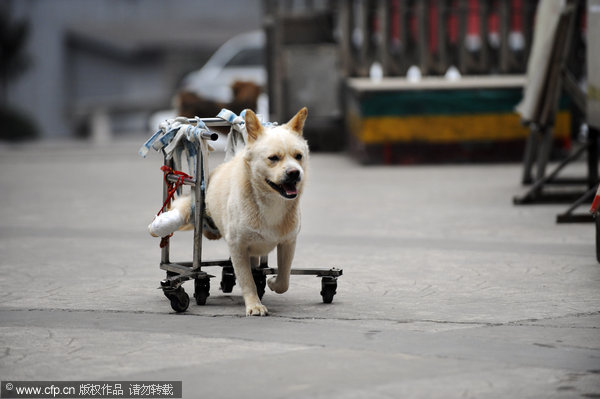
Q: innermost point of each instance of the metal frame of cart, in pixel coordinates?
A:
(179, 272)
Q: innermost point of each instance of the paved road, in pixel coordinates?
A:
(448, 290)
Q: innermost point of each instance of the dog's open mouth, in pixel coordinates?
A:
(287, 190)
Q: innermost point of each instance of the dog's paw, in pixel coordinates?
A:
(257, 309)
(277, 286)
(166, 223)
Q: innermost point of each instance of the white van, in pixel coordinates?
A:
(239, 58)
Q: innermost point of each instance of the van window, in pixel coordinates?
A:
(247, 57)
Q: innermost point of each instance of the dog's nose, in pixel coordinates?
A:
(293, 174)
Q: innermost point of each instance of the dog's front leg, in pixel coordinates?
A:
(243, 273)
(285, 255)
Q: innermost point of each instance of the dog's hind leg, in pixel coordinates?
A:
(176, 218)
(285, 255)
(243, 274)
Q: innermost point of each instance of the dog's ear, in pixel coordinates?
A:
(253, 126)
(296, 124)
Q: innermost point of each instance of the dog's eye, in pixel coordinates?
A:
(274, 158)
(298, 157)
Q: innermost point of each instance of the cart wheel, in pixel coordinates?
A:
(179, 299)
(227, 279)
(598, 238)
(201, 290)
(261, 282)
(328, 287)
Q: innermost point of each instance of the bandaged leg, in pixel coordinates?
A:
(177, 217)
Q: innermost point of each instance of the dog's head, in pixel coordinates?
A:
(277, 156)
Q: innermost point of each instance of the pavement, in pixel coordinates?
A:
(449, 291)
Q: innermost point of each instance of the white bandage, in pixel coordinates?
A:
(166, 223)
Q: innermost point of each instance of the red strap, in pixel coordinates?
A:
(595, 204)
(172, 187)
(165, 240)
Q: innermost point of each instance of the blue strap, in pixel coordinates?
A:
(234, 119)
(231, 117)
(143, 151)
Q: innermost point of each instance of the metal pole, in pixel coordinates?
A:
(211, 121)
(464, 66)
(344, 31)
(164, 251)
(531, 147)
(592, 157)
(383, 45)
(423, 43)
(442, 39)
(504, 17)
(199, 190)
(484, 56)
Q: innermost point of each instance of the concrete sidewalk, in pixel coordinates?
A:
(448, 289)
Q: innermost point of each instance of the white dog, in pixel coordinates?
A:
(253, 201)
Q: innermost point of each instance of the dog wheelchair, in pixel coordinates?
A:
(191, 136)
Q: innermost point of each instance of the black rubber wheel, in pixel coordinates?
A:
(227, 279)
(201, 290)
(179, 299)
(328, 288)
(598, 238)
(261, 282)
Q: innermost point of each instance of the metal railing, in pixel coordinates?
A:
(474, 36)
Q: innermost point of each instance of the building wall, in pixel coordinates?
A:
(115, 50)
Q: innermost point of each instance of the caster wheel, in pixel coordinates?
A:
(328, 287)
(179, 299)
(261, 282)
(227, 279)
(201, 290)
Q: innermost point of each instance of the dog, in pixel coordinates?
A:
(245, 96)
(252, 201)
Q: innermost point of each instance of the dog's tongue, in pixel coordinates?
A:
(290, 189)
